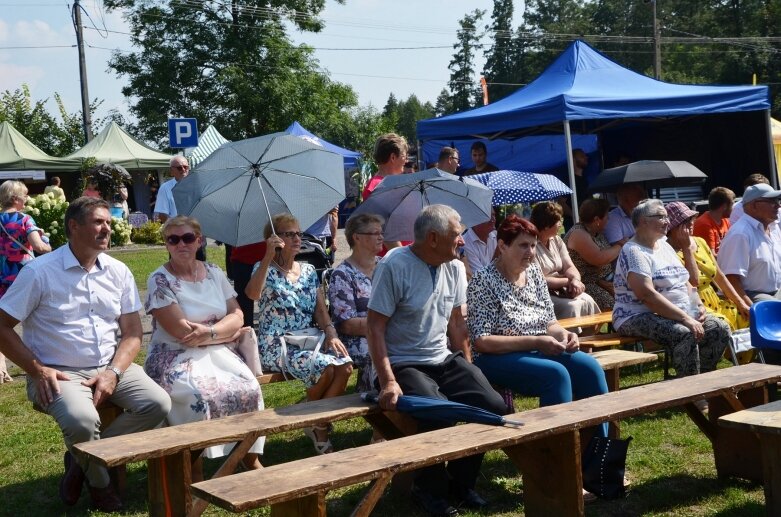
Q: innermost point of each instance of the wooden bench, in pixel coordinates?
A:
(764, 420)
(546, 448)
(173, 453)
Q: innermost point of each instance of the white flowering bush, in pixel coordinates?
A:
(48, 211)
(120, 232)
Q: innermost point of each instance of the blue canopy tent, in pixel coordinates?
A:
(350, 157)
(584, 92)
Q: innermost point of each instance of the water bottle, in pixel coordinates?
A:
(694, 303)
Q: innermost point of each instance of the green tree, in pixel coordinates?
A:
(410, 112)
(503, 64)
(463, 83)
(228, 63)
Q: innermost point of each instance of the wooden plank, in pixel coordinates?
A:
(587, 321)
(609, 359)
(764, 419)
(309, 506)
(736, 452)
(169, 478)
(369, 501)
(607, 340)
(322, 473)
(556, 458)
(268, 378)
(771, 470)
(156, 443)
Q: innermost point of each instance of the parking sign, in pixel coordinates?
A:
(183, 132)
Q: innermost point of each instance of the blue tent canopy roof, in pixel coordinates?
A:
(350, 157)
(583, 84)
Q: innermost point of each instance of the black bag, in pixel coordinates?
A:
(604, 464)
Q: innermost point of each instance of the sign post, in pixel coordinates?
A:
(183, 132)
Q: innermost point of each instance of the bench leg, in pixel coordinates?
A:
(169, 480)
(369, 501)
(737, 453)
(543, 460)
(771, 469)
(308, 506)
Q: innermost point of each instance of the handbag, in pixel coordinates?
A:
(604, 464)
(306, 339)
(247, 348)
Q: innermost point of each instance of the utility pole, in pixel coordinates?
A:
(657, 46)
(85, 114)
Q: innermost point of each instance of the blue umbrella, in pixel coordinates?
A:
(521, 187)
(443, 410)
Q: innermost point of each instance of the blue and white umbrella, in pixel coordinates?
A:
(521, 187)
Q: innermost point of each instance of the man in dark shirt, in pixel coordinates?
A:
(479, 157)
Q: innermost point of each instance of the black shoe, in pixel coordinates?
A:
(72, 481)
(433, 505)
(470, 499)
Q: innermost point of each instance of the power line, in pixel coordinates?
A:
(37, 47)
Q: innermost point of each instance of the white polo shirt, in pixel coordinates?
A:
(619, 226)
(70, 316)
(749, 252)
(165, 199)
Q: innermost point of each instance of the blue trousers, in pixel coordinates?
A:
(555, 379)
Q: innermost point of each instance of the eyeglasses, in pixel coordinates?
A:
(187, 238)
(182, 167)
(290, 235)
(659, 216)
(374, 234)
(774, 201)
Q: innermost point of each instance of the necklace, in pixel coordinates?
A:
(195, 275)
(284, 270)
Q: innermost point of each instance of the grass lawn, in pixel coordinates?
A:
(670, 461)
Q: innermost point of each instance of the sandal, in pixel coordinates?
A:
(320, 447)
(588, 497)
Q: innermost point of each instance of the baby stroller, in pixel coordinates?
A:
(313, 252)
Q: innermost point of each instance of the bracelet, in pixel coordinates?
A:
(211, 329)
(330, 325)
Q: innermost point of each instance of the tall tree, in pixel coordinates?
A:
(230, 63)
(443, 104)
(410, 112)
(503, 64)
(463, 82)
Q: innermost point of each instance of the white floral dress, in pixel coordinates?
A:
(286, 306)
(203, 382)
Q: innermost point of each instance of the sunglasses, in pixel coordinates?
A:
(187, 238)
(290, 235)
(182, 167)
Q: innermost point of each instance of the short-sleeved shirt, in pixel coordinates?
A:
(165, 199)
(619, 226)
(749, 252)
(711, 231)
(661, 265)
(418, 299)
(70, 316)
(488, 167)
(478, 253)
(371, 185)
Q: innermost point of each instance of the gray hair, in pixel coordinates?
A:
(176, 157)
(645, 208)
(358, 224)
(9, 190)
(434, 218)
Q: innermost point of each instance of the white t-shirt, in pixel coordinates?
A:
(165, 199)
(662, 265)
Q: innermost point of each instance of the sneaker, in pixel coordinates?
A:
(469, 498)
(432, 504)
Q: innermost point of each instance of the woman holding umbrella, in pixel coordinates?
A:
(516, 340)
(290, 300)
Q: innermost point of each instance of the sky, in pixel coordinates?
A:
(358, 24)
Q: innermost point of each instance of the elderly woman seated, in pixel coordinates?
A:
(290, 300)
(516, 340)
(567, 292)
(653, 297)
(592, 255)
(196, 321)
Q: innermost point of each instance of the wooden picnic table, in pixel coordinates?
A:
(765, 421)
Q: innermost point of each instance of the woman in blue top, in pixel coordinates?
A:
(19, 238)
(289, 299)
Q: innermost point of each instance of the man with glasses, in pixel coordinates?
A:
(750, 253)
(165, 206)
(448, 160)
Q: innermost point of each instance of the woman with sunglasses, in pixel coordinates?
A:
(289, 300)
(350, 289)
(654, 299)
(196, 322)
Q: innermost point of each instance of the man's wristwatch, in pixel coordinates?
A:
(119, 373)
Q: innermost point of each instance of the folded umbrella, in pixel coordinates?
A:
(443, 410)
(400, 198)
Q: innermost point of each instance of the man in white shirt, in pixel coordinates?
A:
(619, 227)
(480, 244)
(71, 303)
(750, 253)
(165, 206)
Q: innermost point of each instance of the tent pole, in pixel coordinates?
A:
(772, 165)
(571, 171)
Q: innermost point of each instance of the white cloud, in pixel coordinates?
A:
(12, 76)
(3, 31)
(38, 32)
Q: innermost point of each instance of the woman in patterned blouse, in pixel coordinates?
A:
(516, 340)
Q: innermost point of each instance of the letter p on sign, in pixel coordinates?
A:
(183, 132)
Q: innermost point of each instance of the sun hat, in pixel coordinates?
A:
(760, 190)
(678, 212)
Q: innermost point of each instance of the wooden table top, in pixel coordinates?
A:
(765, 418)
